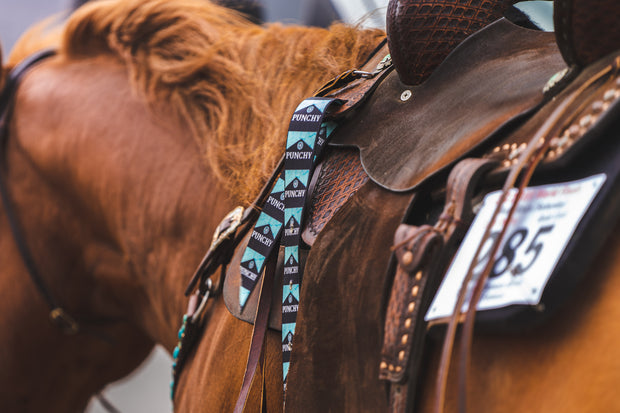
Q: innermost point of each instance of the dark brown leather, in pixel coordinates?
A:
(354, 86)
(335, 180)
(586, 30)
(339, 323)
(492, 79)
(422, 254)
(421, 33)
(258, 335)
(232, 282)
(598, 90)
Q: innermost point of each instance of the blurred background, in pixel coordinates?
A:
(146, 390)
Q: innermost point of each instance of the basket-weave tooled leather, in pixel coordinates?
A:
(340, 176)
(586, 30)
(421, 33)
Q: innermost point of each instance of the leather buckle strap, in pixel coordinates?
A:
(422, 253)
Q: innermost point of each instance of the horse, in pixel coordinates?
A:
(123, 271)
(153, 120)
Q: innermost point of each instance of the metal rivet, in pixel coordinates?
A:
(408, 323)
(586, 121)
(496, 149)
(404, 338)
(418, 276)
(398, 369)
(554, 142)
(551, 154)
(574, 131)
(505, 147)
(411, 307)
(401, 355)
(383, 365)
(523, 146)
(609, 95)
(391, 367)
(407, 258)
(506, 164)
(598, 106)
(406, 95)
(414, 290)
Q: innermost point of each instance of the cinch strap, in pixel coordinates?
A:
(306, 138)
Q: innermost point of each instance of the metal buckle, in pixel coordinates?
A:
(64, 321)
(383, 64)
(229, 225)
(204, 300)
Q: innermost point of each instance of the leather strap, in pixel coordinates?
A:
(421, 253)
(522, 171)
(255, 356)
(57, 314)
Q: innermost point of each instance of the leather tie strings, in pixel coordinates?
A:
(306, 139)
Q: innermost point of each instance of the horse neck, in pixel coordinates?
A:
(133, 178)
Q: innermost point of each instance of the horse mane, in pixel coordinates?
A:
(235, 83)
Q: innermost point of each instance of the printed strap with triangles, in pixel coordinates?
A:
(305, 140)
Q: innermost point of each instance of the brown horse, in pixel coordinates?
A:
(124, 152)
(106, 165)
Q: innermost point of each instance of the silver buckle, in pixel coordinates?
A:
(229, 224)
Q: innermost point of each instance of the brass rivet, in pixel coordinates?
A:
(513, 146)
(574, 131)
(391, 367)
(398, 369)
(401, 355)
(411, 307)
(418, 276)
(407, 258)
(505, 147)
(506, 164)
(404, 338)
(414, 290)
(383, 365)
(408, 323)
(496, 149)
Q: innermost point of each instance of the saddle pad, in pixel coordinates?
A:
(490, 81)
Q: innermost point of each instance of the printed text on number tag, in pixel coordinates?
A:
(537, 234)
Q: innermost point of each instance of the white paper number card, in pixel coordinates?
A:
(543, 223)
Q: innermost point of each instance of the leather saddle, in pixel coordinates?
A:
(421, 145)
(487, 85)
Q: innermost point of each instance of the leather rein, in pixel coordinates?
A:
(58, 315)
